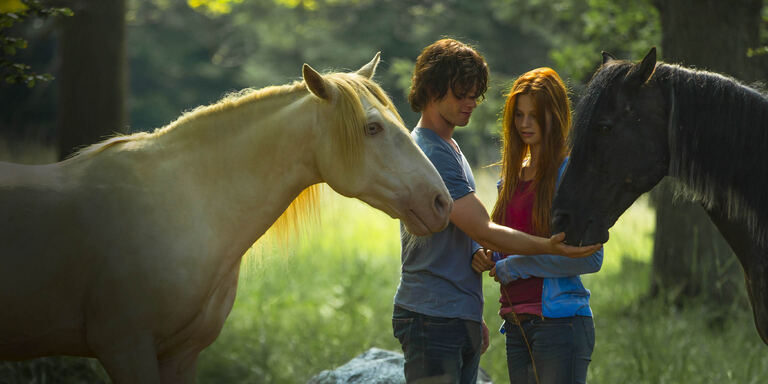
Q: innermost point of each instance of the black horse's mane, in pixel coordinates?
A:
(719, 144)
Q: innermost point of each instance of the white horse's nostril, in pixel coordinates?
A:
(441, 205)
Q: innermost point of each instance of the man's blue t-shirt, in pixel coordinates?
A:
(437, 277)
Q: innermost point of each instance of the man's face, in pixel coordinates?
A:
(454, 110)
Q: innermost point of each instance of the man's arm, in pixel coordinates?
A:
(472, 218)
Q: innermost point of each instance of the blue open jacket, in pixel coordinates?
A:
(562, 294)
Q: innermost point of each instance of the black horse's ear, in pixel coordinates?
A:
(607, 56)
(642, 71)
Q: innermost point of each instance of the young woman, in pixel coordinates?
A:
(548, 321)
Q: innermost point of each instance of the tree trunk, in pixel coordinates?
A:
(691, 259)
(92, 74)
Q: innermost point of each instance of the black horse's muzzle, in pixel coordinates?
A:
(580, 228)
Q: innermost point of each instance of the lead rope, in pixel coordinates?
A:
(522, 332)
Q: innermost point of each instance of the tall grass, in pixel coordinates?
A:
(326, 297)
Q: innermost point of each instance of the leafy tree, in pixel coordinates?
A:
(176, 61)
(28, 112)
(214, 7)
(11, 13)
(265, 42)
(577, 30)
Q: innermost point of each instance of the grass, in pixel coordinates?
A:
(326, 297)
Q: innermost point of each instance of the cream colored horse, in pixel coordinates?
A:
(130, 251)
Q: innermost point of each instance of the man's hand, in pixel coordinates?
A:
(486, 338)
(560, 248)
(481, 260)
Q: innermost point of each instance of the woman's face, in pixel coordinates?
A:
(526, 120)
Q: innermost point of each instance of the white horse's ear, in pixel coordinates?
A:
(315, 82)
(369, 69)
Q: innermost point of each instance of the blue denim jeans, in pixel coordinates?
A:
(438, 349)
(562, 349)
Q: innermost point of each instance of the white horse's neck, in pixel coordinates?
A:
(237, 168)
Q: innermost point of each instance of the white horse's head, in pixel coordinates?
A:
(364, 151)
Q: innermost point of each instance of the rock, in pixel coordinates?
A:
(374, 366)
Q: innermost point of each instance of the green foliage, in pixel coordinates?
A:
(763, 33)
(214, 7)
(12, 6)
(763, 49)
(578, 30)
(172, 53)
(182, 58)
(14, 12)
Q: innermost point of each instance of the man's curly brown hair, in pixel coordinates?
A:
(443, 64)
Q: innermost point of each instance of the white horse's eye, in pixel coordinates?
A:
(373, 128)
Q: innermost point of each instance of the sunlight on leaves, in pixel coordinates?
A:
(751, 52)
(12, 6)
(214, 7)
(306, 4)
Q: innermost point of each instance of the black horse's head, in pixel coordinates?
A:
(619, 149)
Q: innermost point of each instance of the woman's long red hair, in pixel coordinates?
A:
(553, 114)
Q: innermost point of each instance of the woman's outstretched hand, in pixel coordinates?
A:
(560, 248)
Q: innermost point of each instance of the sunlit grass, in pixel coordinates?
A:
(328, 298)
(307, 305)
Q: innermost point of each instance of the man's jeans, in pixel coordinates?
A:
(562, 350)
(438, 349)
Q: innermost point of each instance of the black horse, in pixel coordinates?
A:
(640, 122)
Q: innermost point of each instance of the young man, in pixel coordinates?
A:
(439, 304)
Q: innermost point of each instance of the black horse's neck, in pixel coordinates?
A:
(719, 143)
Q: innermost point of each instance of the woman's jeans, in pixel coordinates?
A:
(438, 349)
(562, 350)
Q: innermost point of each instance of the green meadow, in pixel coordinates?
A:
(323, 296)
(326, 297)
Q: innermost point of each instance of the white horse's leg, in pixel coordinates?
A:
(130, 360)
(179, 369)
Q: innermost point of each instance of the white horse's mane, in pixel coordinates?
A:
(229, 100)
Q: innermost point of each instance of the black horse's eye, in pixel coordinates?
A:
(603, 128)
(373, 128)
